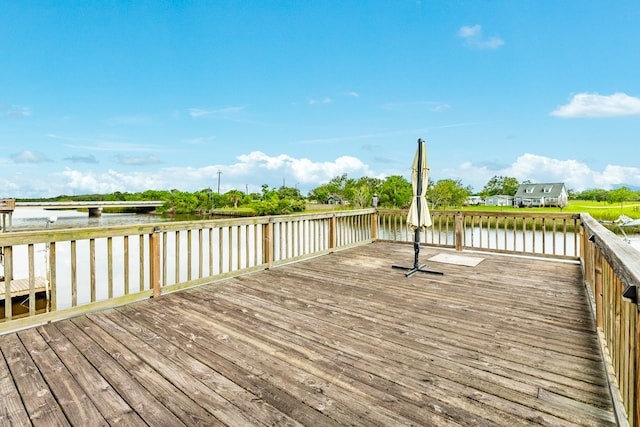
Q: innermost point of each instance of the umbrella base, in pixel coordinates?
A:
(415, 269)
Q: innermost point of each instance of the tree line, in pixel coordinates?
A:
(393, 192)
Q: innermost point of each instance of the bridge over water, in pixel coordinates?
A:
(7, 206)
(94, 207)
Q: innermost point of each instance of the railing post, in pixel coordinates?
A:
(374, 226)
(458, 230)
(52, 297)
(267, 243)
(635, 416)
(8, 277)
(154, 261)
(332, 233)
(597, 264)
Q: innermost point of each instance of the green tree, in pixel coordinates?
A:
(340, 187)
(598, 195)
(363, 191)
(447, 193)
(395, 192)
(500, 185)
(620, 195)
(289, 193)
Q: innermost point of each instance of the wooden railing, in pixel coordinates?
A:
(94, 268)
(525, 233)
(612, 275)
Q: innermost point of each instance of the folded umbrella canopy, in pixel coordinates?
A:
(419, 216)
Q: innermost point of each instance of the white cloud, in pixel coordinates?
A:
(256, 168)
(82, 159)
(131, 121)
(138, 160)
(106, 182)
(101, 143)
(468, 32)
(473, 37)
(440, 107)
(575, 174)
(14, 112)
(326, 100)
(594, 105)
(27, 156)
(303, 170)
(251, 170)
(201, 140)
(228, 113)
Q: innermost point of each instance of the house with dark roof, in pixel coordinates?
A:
(540, 195)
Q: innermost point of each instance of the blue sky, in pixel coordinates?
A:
(104, 96)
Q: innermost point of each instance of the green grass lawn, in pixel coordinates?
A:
(598, 210)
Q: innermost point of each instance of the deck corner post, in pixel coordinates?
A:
(374, 225)
(8, 277)
(154, 261)
(458, 227)
(635, 415)
(333, 233)
(267, 243)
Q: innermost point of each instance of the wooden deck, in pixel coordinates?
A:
(341, 339)
(20, 287)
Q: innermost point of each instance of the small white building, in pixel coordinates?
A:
(474, 201)
(499, 200)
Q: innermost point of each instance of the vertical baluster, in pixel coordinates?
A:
(74, 274)
(210, 251)
(110, 266)
(544, 235)
(189, 254)
(256, 228)
(230, 247)
(165, 257)
(92, 268)
(32, 282)
(177, 255)
(141, 260)
(52, 291)
(200, 254)
(220, 251)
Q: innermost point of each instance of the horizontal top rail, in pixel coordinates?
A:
(623, 258)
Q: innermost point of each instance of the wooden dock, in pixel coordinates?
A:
(21, 287)
(341, 339)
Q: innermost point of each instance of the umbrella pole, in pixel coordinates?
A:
(417, 267)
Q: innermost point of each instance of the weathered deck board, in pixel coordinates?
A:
(341, 339)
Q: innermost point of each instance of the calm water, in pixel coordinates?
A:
(39, 219)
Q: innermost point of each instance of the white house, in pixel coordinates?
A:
(538, 195)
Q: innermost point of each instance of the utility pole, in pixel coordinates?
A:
(219, 173)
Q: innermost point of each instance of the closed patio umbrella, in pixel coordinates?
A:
(418, 217)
